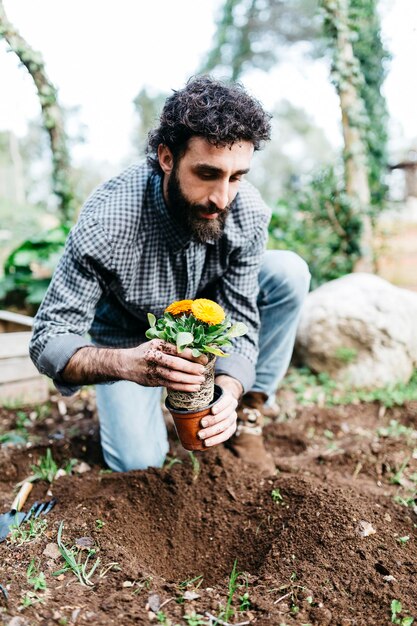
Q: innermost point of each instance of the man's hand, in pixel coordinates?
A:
(154, 363)
(221, 425)
(157, 363)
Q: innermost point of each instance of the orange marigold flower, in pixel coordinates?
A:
(182, 306)
(207, 311)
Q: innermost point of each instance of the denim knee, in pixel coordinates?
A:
(139, 459)
(284, 275)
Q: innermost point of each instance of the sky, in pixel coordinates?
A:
(100, 54)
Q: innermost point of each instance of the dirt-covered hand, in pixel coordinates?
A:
(221, 424)
(157, 363)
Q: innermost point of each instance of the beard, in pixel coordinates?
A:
(187, 214)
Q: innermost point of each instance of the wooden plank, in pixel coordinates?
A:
(16, 318)
(14, 344)
(15, 369)
(32, 391)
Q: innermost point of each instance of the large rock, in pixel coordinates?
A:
(361, 330)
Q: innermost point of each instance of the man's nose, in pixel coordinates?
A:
(219, 195)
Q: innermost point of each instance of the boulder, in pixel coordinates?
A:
(361, 330)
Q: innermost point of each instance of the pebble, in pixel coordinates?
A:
(52, 551)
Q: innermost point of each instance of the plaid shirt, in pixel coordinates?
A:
(126, 257)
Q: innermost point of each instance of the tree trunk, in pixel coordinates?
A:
(346, 73)
(51, 115)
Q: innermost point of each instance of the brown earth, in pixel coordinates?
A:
(300, 551)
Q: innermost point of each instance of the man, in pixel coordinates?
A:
(181, 226)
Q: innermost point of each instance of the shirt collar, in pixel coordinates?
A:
(177, 237)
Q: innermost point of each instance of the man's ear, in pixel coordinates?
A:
(165, 158)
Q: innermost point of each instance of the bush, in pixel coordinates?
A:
(319, 222)
(29, 268)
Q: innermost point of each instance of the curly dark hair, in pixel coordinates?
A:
(220, 112)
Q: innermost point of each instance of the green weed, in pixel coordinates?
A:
(311, 389)
(346, 355)
(100, 524)
(76, 562)
(46, 468)
(403, 540)
(35, 578)
(276, 496)
(397, 431)
(27, 532)
(195, 619)
(195, 463)
(170, 461)
(396, 609)
(30, 598)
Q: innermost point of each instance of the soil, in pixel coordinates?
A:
(324, 542)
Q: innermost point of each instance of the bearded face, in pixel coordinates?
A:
(190, 215)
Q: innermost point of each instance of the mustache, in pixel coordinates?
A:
(212, 208)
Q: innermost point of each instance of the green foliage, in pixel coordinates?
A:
(276, 496)
(186, 331)
(366, 36)
(366, 72)
(76, 562)
(35, 578)
(27, 532)
(312, 388)
(396, 609)
(253, 34)
(29, 268)
(318, 221)
(46, 468)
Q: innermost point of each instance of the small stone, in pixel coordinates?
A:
(387, 517)
(62, 408)
(61, 472)
(154, 602)
(17, 621)
(84, 543)
(191, 595)
(389, 578)
(74, 615)
(82, 468)
(127, 583)
(60, 577)
(52, 551)
(364, 529)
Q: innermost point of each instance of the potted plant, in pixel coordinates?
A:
(202, 326)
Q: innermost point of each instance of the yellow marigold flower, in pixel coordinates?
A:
(207, 311)
(182, 306)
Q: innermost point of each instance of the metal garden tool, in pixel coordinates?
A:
(15, 517)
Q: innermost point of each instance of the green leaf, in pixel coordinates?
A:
(237, 330)
(151, 320)
(215, 351)
(196, 352)
(183, 340)
(407, 621)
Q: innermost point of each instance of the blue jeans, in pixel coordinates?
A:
(132, 426)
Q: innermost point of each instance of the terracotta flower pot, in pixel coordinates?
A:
(188, 421)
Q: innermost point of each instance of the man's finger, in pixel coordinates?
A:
(224, 436)
(178, 377)
(169, 348)
(218, 428)
(164, 359)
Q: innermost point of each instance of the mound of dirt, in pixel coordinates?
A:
(324, 542)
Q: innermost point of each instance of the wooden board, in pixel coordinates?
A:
(31, 391)
(20, 381)
(14, 345)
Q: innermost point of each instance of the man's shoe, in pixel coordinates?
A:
(247, 443)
